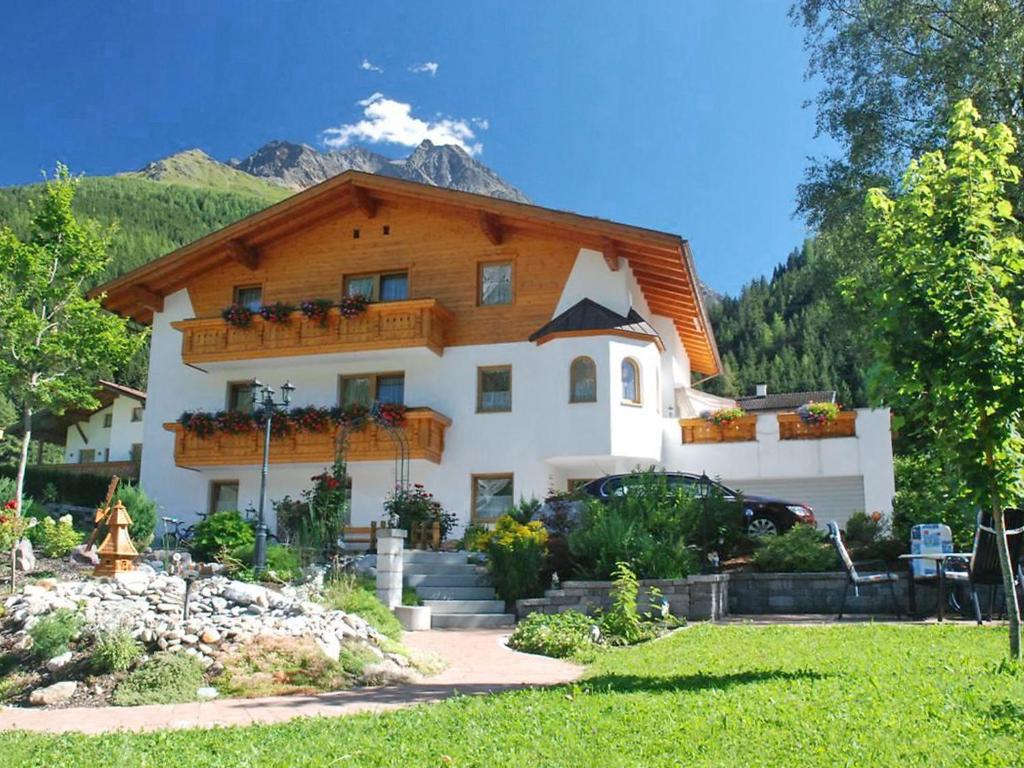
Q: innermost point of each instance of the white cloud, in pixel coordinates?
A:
(391, 122)
(427, 67)
(369, 66)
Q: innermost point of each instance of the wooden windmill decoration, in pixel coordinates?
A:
(117, 553)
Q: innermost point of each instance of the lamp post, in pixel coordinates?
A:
(704, 491)
(264, 407)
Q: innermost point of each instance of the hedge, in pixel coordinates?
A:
(78, 489)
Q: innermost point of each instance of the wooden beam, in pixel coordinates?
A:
(244, 254)
(81, 433)
(491, 227)
(611, 255)
(149, 299)
(366, 202)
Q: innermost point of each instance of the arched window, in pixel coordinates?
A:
(582, 381)
(630, 381)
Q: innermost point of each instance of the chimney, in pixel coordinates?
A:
(762, 390)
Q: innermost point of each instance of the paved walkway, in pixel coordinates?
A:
(478, 662)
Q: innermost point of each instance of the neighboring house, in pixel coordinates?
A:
(104, 441)
(535, 348)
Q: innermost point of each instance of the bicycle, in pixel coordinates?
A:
(181, 535)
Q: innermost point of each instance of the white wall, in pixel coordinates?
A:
(113, 443)
(544, 441)
(868, 457)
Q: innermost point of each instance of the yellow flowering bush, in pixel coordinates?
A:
(516, 554)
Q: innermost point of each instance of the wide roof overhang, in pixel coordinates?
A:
(661, 262)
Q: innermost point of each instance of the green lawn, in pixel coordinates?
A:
(854, 695)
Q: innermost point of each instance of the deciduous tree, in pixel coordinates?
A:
(54, 341)
(950, 313)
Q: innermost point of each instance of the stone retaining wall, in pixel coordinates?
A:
(713, 597)
(695, 597)
(759, 593)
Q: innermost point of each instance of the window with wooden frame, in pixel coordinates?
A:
(630, 381)
(494, 389)
(137, 413)
(492, 496)
(365, 388)
(136, 454)
(583, 381)
(223, 496)
(494, 283)
(239, 396)
(108, 420)
(380, 286)
(87, 456)
(249, 296)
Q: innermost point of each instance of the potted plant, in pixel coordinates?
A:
(354, 305)
(278, 312)
(818, 413)
(238, 315)
(316, 310)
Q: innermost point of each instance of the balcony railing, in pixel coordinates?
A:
(792, 427)
(386, 325)
(423, 430)
(703, 431)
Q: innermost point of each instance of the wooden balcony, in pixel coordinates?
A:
(387, 325)
(792, 427)
(424, 431)
(738, 430)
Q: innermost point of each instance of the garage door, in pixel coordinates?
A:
(832, 498)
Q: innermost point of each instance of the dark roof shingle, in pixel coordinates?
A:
(784, 401)
(588, 315)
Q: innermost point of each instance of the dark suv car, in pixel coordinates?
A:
(762, 516)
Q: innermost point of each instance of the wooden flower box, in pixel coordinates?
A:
(792, 427)
(738, 430)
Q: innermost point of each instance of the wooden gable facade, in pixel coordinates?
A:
(357, 224)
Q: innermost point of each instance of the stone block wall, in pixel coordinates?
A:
(695, 597)
(715, 596)
(766, 593)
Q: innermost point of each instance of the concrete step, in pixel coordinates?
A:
(475, 579)
(471, 620)
(439, 568)
(455, 593)
(466, 606)
(426, 556)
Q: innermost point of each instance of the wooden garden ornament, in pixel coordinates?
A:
(117, 553)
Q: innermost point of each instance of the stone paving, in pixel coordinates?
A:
(479, 663)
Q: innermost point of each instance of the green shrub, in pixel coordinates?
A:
(83, 490)
(115, 651)
(661, 531)
(222, 532)
(621, 622)
(474, 537)
(927, 491)
(52, 634)
(801, 549)
(167, 678)
(516, 556)
(283, 562)
(562, 635)
(353, 594)
(54, 538)
(406, 507)
(525, 511)
(142, 511)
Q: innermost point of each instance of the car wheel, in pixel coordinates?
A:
(762, 526)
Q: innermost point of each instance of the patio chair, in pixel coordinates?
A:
(982, 567)
(856, 579)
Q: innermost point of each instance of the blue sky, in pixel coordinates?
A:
(680, 116)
